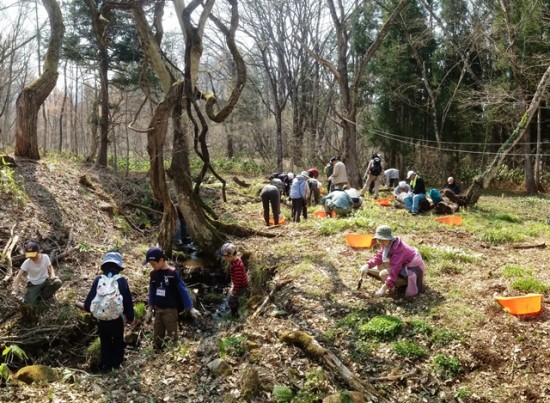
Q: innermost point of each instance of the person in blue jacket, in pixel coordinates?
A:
(111, 332)
(167, 292)
(298, 197)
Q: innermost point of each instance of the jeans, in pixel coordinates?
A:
(412, 202)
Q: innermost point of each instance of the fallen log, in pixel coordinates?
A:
(6, 254)
(312, 348)
(530, 246)
(269, 297)
(240, 182)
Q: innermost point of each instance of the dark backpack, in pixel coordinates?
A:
(376, 168)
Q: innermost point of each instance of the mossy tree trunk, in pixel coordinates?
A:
(33, 95)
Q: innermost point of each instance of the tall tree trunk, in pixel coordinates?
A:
(483, 180)
(33, 95)
(63, 104)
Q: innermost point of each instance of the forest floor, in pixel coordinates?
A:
(452, 343)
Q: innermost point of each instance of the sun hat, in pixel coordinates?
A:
(383, 232)
(228, 249)
(31, 249)
(113, 257)
(410, 173)
(154, 254)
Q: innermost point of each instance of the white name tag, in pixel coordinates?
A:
(161, 292)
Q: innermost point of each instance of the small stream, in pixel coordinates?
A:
(209, 282)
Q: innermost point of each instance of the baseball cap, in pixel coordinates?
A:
(31, 249)
(410, 173)
(334, 159)
(154, 254)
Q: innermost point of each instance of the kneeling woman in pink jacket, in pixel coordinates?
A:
(406, 267)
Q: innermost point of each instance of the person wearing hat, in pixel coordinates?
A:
(339, 176)
(111, 332)
(401, 191)
(417, 195)
(314, 188)
(167, 293)
(396, 264)
(42, 283)
(238, 275)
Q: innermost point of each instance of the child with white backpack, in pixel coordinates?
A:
(110, 302)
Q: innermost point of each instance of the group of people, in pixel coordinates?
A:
(110, 299)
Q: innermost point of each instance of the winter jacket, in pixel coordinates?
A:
(173, 289)
(124, 290)
(418, 186)
(401, 256)
(339, 199)
(299, 188)
(339, 174)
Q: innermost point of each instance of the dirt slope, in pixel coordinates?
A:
(465, 348)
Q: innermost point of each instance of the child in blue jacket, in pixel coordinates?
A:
(111, 332)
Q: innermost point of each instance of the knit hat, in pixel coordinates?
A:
(383, 232)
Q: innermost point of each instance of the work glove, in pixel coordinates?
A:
(195, 314)
(381, 292)
(148, 316)
(364, 269)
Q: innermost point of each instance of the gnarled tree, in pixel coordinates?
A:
(33, 95)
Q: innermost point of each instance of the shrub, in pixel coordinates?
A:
(233, 346)
(381, 327)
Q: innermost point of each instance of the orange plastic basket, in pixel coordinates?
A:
(524, 305)
(282, 220)
(450, 220)
(383, 202)
(359, 240)
(322, 214)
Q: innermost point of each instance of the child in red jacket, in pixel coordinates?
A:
(238, 275)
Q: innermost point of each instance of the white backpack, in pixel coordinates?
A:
(107, 303)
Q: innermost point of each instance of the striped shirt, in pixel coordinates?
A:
(237, 272)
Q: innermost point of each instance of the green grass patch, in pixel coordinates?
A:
(505, 217)
(409, 349)
(10, 185)
(447, 367)
(282, 394)
(530, 285)
(515, 271)
(418, 326)
(442, 337)
(499, 236)
(385, 327)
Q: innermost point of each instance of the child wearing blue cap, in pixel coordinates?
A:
(167, 292)
(110, 302)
